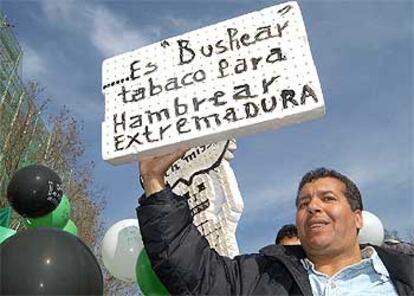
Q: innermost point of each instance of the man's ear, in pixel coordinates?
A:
(359, 220)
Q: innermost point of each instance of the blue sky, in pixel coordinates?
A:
(363, 51)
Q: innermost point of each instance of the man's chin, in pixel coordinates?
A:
(318, 243)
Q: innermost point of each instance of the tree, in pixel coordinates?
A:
(63, 151)
(21, 131)
(22, 128)
(80, 187)
(58, 145)
(391, 234)
(60, 148)
(410, 234)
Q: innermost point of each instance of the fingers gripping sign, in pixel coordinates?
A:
(153, 170)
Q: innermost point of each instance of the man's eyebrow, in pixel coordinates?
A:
(327, 191)
(301, 197)
(322, 191)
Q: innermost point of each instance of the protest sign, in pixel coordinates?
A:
(238, 77)
(198, 160)
(205, 178)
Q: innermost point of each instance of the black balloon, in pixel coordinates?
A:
(34, 191)
(48, 261)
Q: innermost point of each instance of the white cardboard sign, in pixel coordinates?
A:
(196, 161)
(205, 178)
(238, 77)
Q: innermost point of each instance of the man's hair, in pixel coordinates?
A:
(288, 230)
(351, 193)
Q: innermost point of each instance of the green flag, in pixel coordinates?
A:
(5, 216)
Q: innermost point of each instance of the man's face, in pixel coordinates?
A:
(326, 224)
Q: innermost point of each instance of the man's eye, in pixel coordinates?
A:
(329, 198)
(303, 204)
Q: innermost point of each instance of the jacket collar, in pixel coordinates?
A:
(290, 257)
(295, 251)
(400, 267)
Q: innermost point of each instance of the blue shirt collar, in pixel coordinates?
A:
(369, 256)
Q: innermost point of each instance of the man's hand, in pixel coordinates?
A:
(153, 170)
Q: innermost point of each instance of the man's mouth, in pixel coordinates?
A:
(317, 224)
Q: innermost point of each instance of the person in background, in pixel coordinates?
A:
(287, 235)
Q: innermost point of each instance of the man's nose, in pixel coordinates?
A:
(314, 206)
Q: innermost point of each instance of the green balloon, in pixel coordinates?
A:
(5, 233)
(147, 280)
(71, 228)
(58, 218)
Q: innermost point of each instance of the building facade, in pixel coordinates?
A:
(22, 132)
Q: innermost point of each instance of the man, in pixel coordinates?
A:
(329, 261)
(287, 235)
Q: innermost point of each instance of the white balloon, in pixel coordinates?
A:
(121, 246)
(372, 232)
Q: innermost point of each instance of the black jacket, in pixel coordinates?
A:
(184, 262)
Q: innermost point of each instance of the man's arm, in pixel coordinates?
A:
(180, 255)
